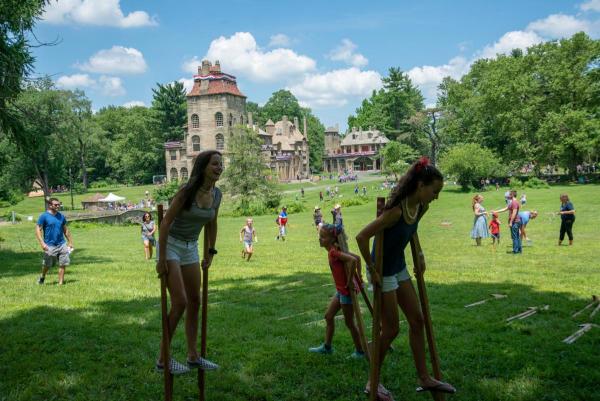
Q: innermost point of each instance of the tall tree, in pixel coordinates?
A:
(169, 102)
(17, 18)
(246, 174)
(426, 125)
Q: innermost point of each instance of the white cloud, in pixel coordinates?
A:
(111, 86)
(191, 65)
(134, 103)
(116, 60)
(590, 5)
(75, 81)
(429, 77)
(345, 52)
(242, 56)
(333, 88)
(559, 26)
(279, 40)
(95, 12)
(508, 42)
(188, 84)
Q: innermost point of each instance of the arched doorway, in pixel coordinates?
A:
(363, 164)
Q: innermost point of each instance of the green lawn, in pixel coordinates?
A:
(96, 338)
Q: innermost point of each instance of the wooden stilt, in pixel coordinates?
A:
(374, 373)
(166, 335)
(204, 320)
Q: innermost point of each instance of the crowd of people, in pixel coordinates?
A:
(195, 208)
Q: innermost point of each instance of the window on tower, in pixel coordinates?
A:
(220, 142)
(195, 121)
(219, 119)
(184, 174)
(196, 143)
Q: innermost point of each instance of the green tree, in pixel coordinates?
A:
(16, 175)
(169, 102)
(17, 19)
(245, 176)
(469, 163)
(137, 147)
(397, 157)
(39, 132)
(372, 113)
(425, 130)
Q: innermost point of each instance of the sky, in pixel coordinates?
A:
(330, 54)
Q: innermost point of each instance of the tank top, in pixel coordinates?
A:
(188, 223)
(247, 234)
(395, 239)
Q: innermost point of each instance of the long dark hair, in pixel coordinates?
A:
(420, 171)
(197, 177)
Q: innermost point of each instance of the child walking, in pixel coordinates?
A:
(281, 221)
(247, 235)
(495, 229)
(342, 299)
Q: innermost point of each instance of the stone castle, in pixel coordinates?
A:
(215, 106)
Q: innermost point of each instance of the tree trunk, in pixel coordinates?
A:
(84, 177)
(434, 152)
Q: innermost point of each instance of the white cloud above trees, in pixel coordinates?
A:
(590, 5)
(95, 12)
(106, 85)
(346, 52)
(116, 60)
(279, 39)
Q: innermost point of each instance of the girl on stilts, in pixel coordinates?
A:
(328, 235)
(408, 202)
(248, 236)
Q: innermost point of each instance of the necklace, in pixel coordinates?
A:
(414, 215)
(204, 190)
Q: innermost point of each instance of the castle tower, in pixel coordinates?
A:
(214, 106)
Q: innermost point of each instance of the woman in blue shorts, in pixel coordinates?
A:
(408, 202)
(195, 206)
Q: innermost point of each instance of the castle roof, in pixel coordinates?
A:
(287, 134)
(211, 81)
(371, 136)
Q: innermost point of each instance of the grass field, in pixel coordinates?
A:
(96, 338)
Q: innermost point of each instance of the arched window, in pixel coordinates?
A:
(184, 174)
(219, 119)
(195, 121)
(196, 143)
(220, 142)
(174, 174)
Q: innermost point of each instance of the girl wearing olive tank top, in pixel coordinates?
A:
(194, 207)
(408, 202)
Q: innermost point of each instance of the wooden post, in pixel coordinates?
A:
(201, 376)
(419, 263)
(374, 373)
(166, 335)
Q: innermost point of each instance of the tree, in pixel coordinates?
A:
(282, 103)
(245, 176)
(39, 132)
(397, 157)
(426, 125)
(169, 102)
(469, 163)
(137, 146)
(16, 175)
(390, 108)
(17, 18)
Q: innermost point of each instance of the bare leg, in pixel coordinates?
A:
(61, 275)
(191, 281)
(332, 310)
(348, 312)
(44, 271)
(389, 323)
(178, 299)
(249, 252)
(146, 250)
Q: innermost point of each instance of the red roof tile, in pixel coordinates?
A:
(218, 83)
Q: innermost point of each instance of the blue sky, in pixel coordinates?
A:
(330, 54)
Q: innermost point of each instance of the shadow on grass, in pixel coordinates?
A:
(13, 264)
(107, 350)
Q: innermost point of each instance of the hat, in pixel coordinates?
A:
(317, 207)
(337, 206)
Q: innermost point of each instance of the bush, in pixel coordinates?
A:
(354, 201)
(469, 163)
(296, 207)
(109, 182)
(536, 183)
(166, 192)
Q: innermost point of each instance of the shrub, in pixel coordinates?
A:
(354, 201)
(536, 183)
(469, 163)
(296, 207)
(166, 192)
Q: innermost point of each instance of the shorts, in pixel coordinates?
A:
(497, 236)
(60, 253)
(390, 283)
(151, 240)
(182, 252)
(344, 299)
(248, 243)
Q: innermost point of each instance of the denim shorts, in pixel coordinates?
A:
(183, 252)
(391, 283)
(344, 299)
(247, 243)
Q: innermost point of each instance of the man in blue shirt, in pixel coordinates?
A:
(51, 230)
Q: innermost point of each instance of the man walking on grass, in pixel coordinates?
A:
(54, 227)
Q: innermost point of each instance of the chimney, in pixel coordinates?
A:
(304, 124)
(250, 121)
(284, 119)
(205, 67)
(217, 66)
(353, 129)
(337, 128)
(296, 125)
